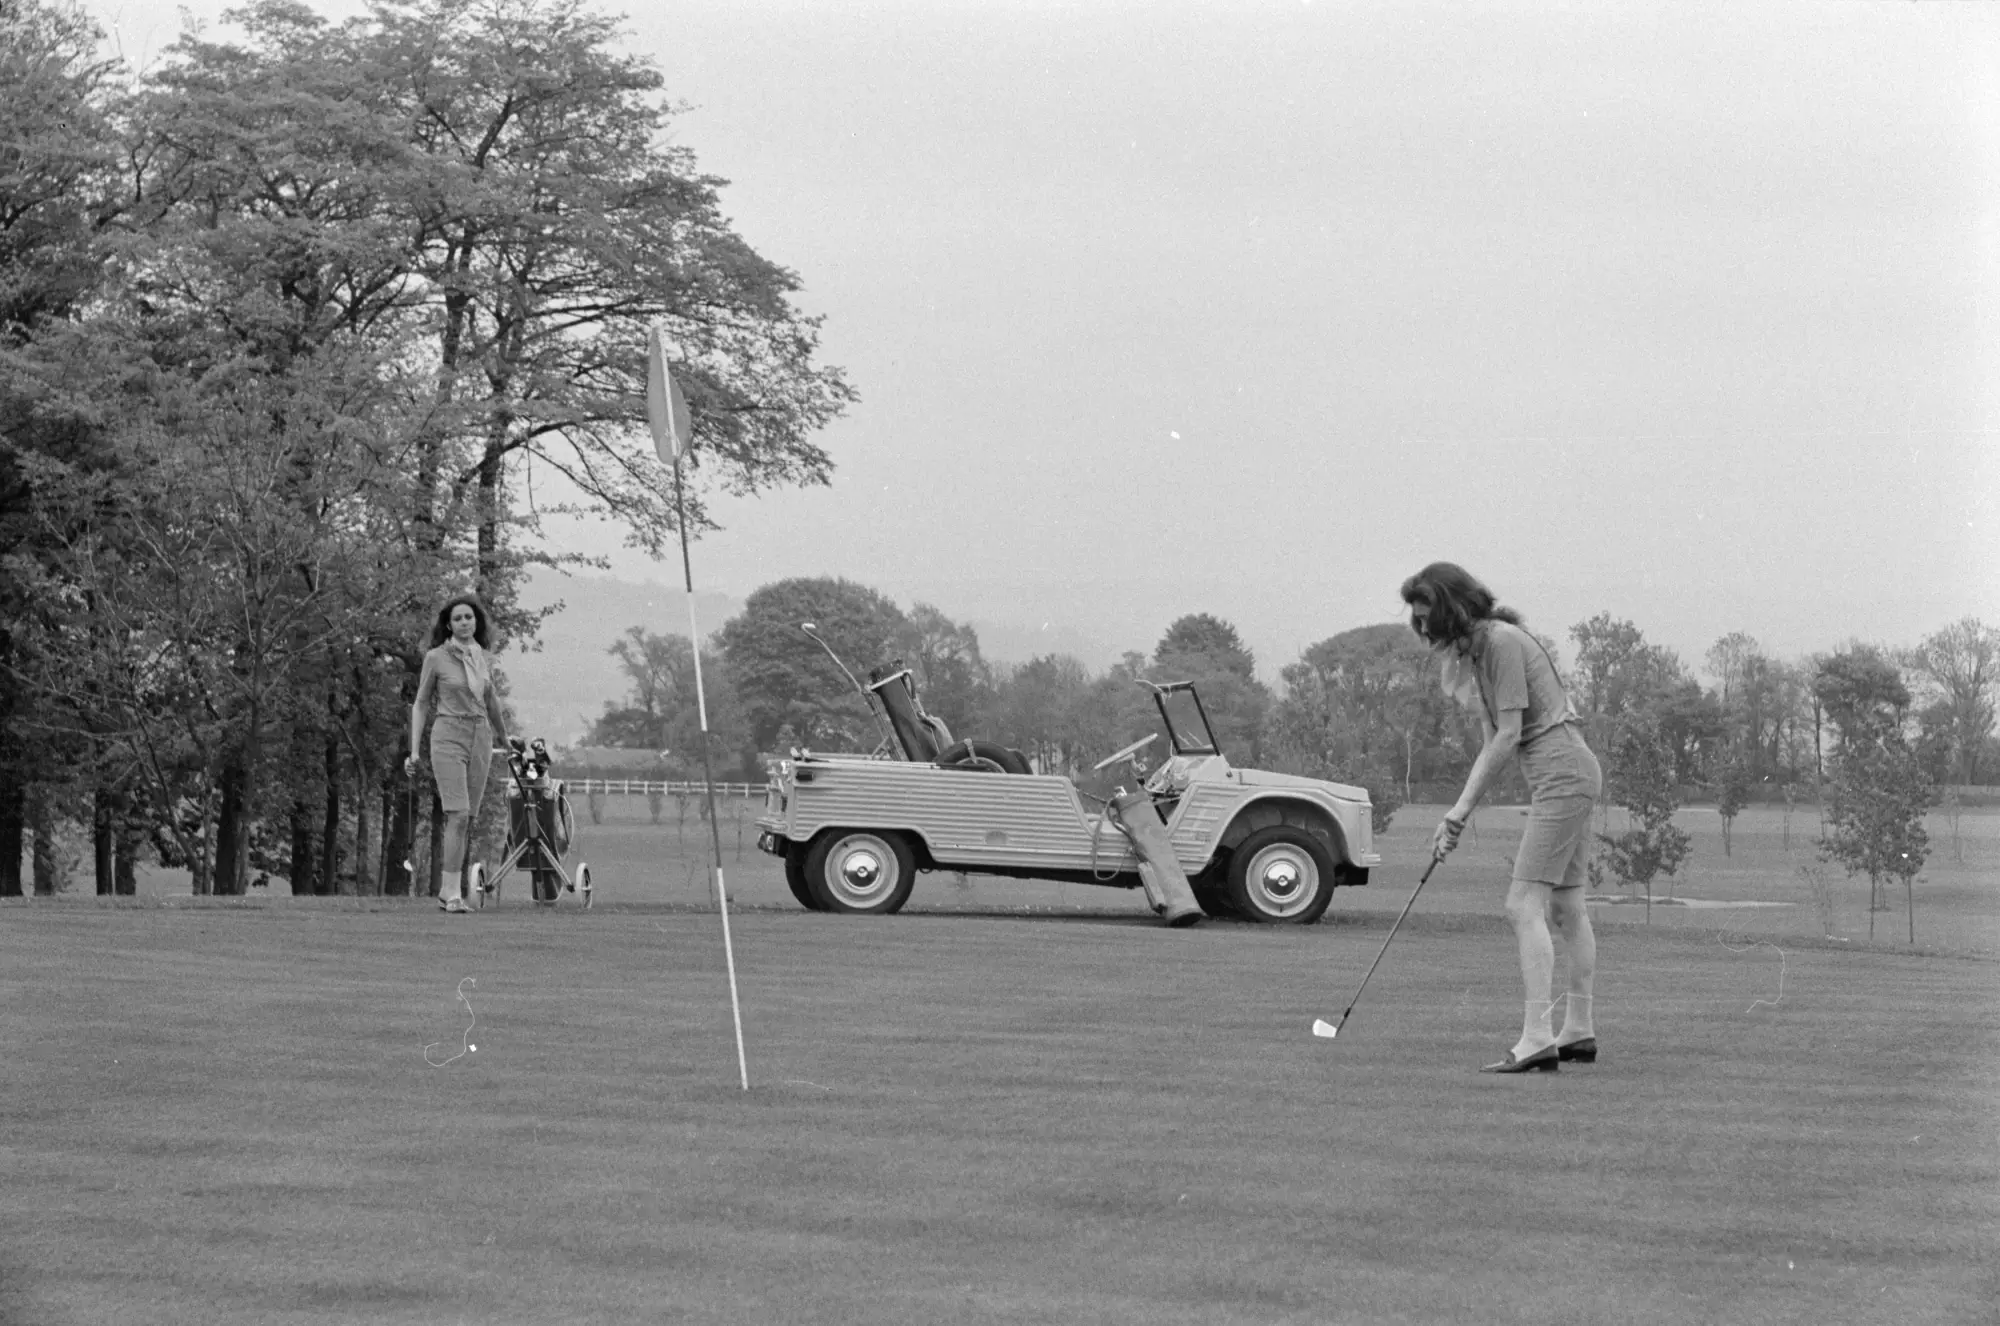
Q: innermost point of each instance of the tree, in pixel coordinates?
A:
(1732, 793)
(557, 226)
(1879, 792)
(1959, 668)
(1357, 707)
(1045, 708)
(1641, 779)
(1876, 804)
(1208, 651)
(1729, 661)
(1862, 694)
(954, 681)
(663, 709)
(650, 661)
(59, 190)
(783, 678)
(1205, 637)
(399, 259)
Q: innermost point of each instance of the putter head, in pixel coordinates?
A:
(1324, 1030)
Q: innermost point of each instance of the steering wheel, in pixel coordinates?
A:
(1127, 753)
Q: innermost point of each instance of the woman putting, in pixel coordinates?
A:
(1491, 664)
(457, 685)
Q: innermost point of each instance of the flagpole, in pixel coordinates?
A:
(661, 406)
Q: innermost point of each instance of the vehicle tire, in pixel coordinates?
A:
(860, 872)
(582, 881)
(475, 884)
(984, 756)
(795, 877)
(1211, 890)
(1280, 876)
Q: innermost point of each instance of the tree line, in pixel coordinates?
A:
(1870, 732)
(291, 327)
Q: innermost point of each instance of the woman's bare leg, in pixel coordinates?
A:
(453, 853)
(1527, 908)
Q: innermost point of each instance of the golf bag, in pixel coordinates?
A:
(540, 828)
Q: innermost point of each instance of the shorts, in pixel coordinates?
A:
(1555, 845)
(461, 756)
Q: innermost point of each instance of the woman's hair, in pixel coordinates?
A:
(441, 628)
(1452, 602)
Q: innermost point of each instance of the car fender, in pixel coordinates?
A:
(1213, 818)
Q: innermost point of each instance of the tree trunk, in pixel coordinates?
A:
(305, 847)
(435, 872)
(366, 884)
(13, 829)
(303, 815)
(491, 469)
(201, 867)
(232, 848)
(329, 843)
(127, 837)
(399, 812)
(103, 852)
(41, 817)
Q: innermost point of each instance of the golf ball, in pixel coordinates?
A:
(473, 1048)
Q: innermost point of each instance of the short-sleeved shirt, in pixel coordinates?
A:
(1515, 672)
(443, 683)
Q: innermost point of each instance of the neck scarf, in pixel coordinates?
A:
(1459, 673)
(1458, 680)
(473, 658)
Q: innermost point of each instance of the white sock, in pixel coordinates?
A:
(1535, 1033)
(1576, 1018)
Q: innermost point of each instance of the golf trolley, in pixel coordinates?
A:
(540, 828)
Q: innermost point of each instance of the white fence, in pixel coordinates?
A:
(641, 787)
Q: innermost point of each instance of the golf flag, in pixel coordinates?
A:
(666, 408)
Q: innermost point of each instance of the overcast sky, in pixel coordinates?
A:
(1685, 313)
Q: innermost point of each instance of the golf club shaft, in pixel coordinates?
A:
(1392, 935)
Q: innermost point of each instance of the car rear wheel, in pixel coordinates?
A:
(862, 872)
(1280, 875)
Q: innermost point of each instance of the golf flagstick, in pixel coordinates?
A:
(1328, 1030)
(667, 413)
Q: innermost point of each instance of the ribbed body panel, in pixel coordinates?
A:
(971, 818)
(1027, 821)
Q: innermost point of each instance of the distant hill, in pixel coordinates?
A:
(558, 692)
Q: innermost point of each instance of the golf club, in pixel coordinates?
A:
(1328, 1030)
(859, 689)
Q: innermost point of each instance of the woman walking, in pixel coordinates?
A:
(1495, 667)
(457, 687)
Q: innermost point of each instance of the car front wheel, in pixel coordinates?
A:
(861, 872)
(795, 876)
(1280, 875)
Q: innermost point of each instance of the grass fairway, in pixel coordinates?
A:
(224, 1112)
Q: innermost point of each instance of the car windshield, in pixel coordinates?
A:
(1187, 724)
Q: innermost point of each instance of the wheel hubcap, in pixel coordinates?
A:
(1283, 880)
(862, 870)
